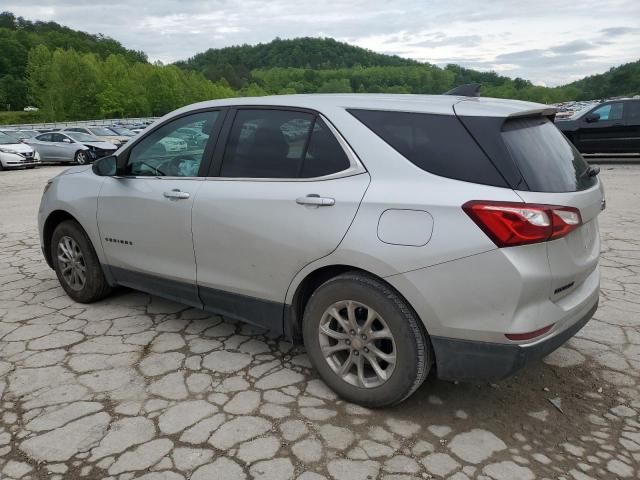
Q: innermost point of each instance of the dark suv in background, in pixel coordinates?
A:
(609, 127)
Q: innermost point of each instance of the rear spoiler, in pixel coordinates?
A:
(536, 112)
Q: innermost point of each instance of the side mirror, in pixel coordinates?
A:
(106, 166)
(592, 117)
(66, 140)
(121, 164)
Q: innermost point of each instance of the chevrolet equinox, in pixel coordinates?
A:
(391, 234)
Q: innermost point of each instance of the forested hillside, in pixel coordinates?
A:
(306, 65)
(18, 36)
(66, 84)
(235, 64)
(618, 81)
(73, 75)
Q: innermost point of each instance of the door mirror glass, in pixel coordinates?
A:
(106, 166)
(592, 117)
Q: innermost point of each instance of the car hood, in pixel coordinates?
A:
(565, 124)
(111, 139)
(75, 169)
(102, 145)
(17, 147)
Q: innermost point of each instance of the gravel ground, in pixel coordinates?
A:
(138, 387)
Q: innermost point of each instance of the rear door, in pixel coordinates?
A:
(632, 120)
(44, 146)
(282, 193)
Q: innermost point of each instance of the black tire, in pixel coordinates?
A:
(95, 286)
(81, 157)
(412, 347)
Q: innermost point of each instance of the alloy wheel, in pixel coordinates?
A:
(71, 263)
(357, 344)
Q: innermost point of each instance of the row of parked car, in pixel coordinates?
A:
(77, 144)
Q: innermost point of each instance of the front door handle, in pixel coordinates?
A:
(176, 194)
(316, 200)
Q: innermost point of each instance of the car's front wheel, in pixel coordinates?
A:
(76, 264)
(365, 341)
(81, 157)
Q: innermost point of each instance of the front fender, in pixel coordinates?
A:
(75, 195)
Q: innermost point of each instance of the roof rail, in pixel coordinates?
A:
(466, 90)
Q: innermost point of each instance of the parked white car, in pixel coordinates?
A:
(15, 154)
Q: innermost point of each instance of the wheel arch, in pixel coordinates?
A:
(54, 219)
(294, 311)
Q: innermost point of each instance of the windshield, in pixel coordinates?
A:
(26, 134)
(582, 111)
(122, 131)
(83, 137)
(102, 132)
(6, 139)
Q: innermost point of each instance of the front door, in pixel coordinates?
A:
(608, 134)
(144, 216)
(64, 147)
(284, 192)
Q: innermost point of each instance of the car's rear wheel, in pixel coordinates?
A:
(81, 157)
(365, 341)
(76, 264)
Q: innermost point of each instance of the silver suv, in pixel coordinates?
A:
(392, 234)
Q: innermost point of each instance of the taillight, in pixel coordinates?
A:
(509, 224)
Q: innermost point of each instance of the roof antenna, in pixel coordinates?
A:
(467, 90)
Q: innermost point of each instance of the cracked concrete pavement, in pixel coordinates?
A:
(139, 387)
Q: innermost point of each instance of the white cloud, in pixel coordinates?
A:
(546, 41)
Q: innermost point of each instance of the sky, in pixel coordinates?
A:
(550, 42)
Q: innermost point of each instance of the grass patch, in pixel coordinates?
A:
(8, 118)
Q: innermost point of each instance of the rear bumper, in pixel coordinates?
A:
(468, 360)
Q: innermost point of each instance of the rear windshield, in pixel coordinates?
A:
(438, 144)
(547, 160)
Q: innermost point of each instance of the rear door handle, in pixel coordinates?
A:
(176, 194)
(316, 200)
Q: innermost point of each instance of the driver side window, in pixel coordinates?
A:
(610, 111)
(174, 150)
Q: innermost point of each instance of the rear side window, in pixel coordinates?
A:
(547, 161)
(633, 111)
(324, 154)
(281, 144)
(438, 144)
